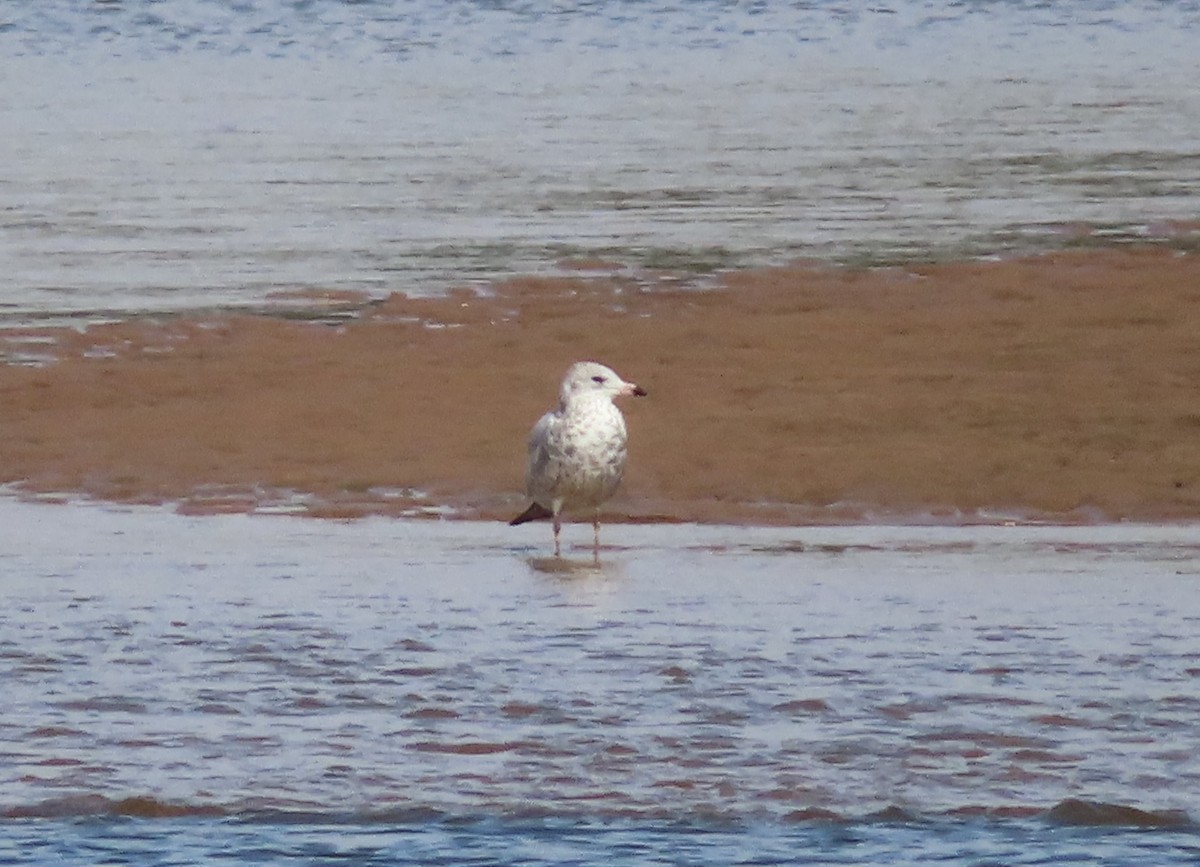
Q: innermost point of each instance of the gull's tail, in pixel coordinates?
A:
(535, 512)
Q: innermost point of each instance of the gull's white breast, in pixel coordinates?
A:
(577, 456)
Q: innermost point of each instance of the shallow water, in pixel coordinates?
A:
(197, 154)
(614, 842)
(250, 687)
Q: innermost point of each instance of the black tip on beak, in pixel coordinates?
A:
(638, 391)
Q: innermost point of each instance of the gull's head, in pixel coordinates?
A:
(592, 379)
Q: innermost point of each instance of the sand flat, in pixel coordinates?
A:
(1059, 387)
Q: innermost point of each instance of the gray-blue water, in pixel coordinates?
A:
(200, 153)
(249, 689)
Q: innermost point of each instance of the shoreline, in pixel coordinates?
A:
(1052, 388)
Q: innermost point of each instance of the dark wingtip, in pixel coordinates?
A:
(533, 513)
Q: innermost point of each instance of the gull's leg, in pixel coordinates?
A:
(557, 527)
(596, 536)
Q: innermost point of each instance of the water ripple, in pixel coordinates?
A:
(936, 671)
(218, 154)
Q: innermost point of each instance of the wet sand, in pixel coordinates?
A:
(1057, 387)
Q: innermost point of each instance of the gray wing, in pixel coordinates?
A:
(542, 471)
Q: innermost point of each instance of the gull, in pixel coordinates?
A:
(577, 451)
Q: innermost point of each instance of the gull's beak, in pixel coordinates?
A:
(635, 390)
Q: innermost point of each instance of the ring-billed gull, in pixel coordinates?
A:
(577, 451)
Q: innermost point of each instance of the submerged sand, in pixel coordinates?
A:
(1061, 386)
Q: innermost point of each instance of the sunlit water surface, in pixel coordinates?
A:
(196, 153)
(252, 689)
(247, 688)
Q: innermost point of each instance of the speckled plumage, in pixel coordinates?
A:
(577, 451)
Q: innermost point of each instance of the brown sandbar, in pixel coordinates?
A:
(1061, 387)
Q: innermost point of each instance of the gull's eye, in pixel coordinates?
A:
(599, 380)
